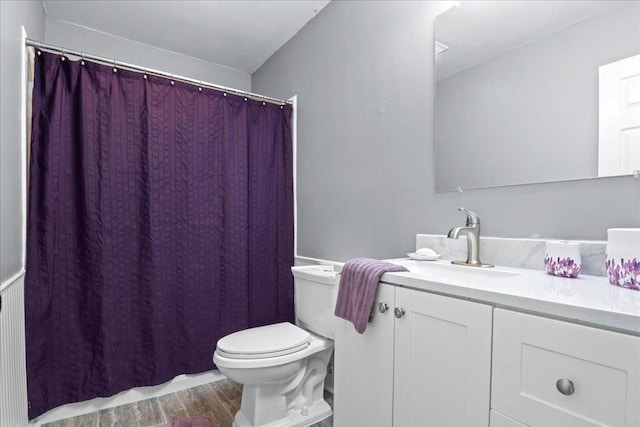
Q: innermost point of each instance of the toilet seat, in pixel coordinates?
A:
(282, 367)
(264, 342)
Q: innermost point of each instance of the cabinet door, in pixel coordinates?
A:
(364, 369)
(442, 361)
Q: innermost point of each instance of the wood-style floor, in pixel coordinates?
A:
(218, 401)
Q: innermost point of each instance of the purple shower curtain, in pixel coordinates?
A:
(160, 219)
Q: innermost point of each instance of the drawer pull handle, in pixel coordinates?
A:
(382, 307)
(398, 312)
(565, 386)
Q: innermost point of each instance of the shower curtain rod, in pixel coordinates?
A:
(124, 65)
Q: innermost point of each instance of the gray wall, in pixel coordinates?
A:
(65, 34)
(363, 72)
(531, 113)
(13, 15)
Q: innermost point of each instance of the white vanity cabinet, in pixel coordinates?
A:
(496, 419)
(549, 372)
(363, 381)
(424, 360)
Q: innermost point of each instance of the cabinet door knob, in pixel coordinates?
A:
(399, 312)
(382, 307)
(565, 386)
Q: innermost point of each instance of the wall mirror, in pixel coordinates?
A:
(536, 91)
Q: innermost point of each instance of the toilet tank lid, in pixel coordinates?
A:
(264, 339)
(315, 273)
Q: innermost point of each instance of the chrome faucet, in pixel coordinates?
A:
(472, 233)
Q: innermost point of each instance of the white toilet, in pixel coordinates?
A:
(282, 367)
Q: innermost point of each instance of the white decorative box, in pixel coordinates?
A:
(562, 259)
(623, 257)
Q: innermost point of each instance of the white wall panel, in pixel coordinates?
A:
(13, 376)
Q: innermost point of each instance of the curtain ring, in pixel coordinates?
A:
(144, 75)
(81, 58)
(172, 82)
(264, 100)
(63, 57)
(38, 49)
(200, 86)
(115, 66)
(246, 95)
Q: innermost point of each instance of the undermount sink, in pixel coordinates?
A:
(445, 268)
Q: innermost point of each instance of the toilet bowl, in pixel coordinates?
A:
(283, 366)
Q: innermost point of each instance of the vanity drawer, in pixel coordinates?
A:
(599, 370)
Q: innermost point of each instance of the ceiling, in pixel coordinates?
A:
(476, 31)
(237, 34)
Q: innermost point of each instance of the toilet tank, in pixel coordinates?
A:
(315, 296)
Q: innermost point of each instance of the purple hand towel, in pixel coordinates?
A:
(358, 285)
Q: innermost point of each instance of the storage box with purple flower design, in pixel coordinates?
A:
(562, 259)
(623, 257)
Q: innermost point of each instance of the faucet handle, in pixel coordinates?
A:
(472, 217)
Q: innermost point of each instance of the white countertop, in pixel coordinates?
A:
(585, 299)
